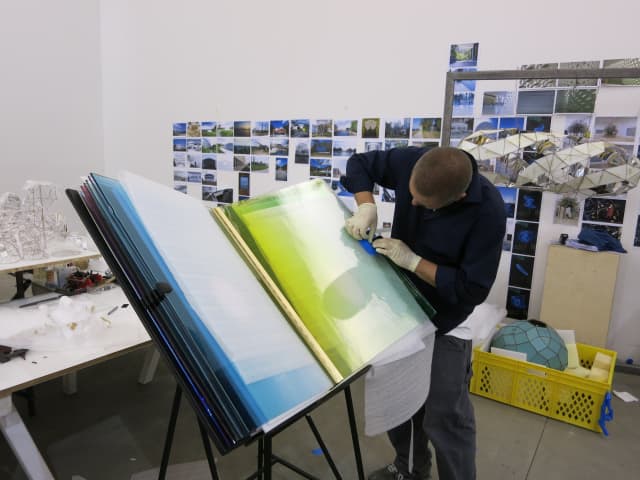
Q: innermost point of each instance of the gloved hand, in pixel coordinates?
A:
(365, 218)
(398, 252)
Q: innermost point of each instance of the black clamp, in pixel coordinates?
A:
(155, 297)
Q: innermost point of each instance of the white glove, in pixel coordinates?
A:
(398, 252)
(363, 223)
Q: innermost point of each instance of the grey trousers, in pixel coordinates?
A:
(447, 419)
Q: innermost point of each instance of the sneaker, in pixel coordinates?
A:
(391, 472)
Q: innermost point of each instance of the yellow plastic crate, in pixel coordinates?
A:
(543, 390)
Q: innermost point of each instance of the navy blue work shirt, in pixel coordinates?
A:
(464, 239)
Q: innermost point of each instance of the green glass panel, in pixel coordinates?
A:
(353, 303)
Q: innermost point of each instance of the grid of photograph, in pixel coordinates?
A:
(249, 151)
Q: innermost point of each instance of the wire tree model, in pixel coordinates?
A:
(552, 162)
(27, 223)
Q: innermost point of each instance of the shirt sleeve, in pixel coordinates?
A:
(469, 283)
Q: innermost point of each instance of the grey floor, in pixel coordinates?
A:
(114, 428)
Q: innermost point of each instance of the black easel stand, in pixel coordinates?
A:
(266, 457)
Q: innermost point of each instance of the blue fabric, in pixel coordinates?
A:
(601, 239)
(464, 239)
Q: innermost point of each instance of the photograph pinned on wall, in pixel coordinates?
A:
(180, 187)
(259, 164)
(344, 147)
(260, 145)
(194, 129)
(423, 144)
(345, 128)
(301, 151)
(279, 146)
(339, 167)
(499, 103)
(321, 147)
(621, 63)
(511, 123)
(463, 55)
(194, 176)
(536, 102)
(387, 195)
(636, 237)
(242, 128)
(397, 127)
(208, 193)
(538, 82)
(224, 146)
(507, 241)
(576, 126)
(242, 146)
(529, 205)
(209, 178)
(525, 237)
(426, 127)
(535, 123)
(244, 184)
(179, 175)
(224, 129)
(579, 82)
(321, 128)
(372, 146)
(389, 144)
(567, 211)
(509, 198)
(194, 160)
(179, 129)
(209, 161)
(179, 159)
(208, 129)
(179, 144)
(242, 163)
(320, 167)
(282, 168)
(300, 128)
(615, 129)
(518, 303)
(606, 210)
(614, 230)
(194, 144)
(575, 101)
(209, 145)
(279, 128)
(463, 104)
(487, 123)
(521, 271)
(370, 128)
(224, 163)
(460, 128)
(260, 128)
(339, 189)
(464, 85)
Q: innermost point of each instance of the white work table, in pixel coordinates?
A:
(122, 333)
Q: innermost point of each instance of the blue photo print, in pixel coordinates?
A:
(509, 198)
(279, 128)
(518, 303)
(516, 123)
(636, 238)
(525, 236)
(179, 129)
(521, 271)
(529, 202)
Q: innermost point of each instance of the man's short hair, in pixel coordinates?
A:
(443, 173)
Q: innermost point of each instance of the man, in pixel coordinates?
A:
(448, 228)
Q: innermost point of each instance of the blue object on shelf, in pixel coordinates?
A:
(606, 413)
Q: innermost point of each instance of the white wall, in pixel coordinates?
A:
(50, 94)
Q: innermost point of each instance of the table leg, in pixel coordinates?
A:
(149, 366)
(21, 442)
